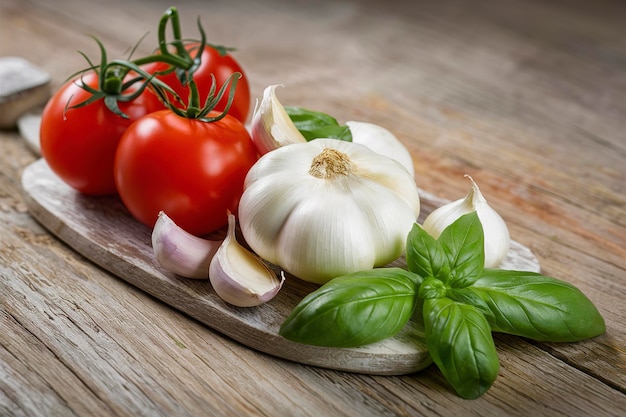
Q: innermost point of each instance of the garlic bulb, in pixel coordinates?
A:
(497, 239)
(326, 208)
(180, 252)
(240, 277)
(272, 128)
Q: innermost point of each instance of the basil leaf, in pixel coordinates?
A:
(542, 308)
(424, 255)
(463, 244)
(467, 296)
(354, 310)
(460, 342)
(313, 124)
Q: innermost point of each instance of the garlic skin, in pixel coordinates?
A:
(326, 208)
(496, 232)
(180, 252)
(272, 128)
(382, 141)
(240, 277)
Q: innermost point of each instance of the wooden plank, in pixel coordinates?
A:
(138, 357)
(527, 97)
(103, 231)
(88, 359)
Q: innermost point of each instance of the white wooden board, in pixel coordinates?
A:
(101, 229)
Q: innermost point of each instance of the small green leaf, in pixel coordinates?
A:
(460, 342)
(432, 288)
(355, 309)
(313, 124)
(463, 244)
(538, 307)
(112, 104)
(467, 296)
(424, 255)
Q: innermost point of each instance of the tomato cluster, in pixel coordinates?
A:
(139, 130)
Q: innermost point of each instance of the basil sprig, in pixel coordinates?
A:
(314, 124)
(462, 304)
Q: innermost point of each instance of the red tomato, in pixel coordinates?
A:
(79, 143)
(222, 67)
(192, 170)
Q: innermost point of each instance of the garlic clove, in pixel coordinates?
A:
(240, 277)
(271, 126)
(180, 252)
(496, 233)
(381, 141)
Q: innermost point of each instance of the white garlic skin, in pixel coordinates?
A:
(240, 277)
(272, 128)
(317, 228)
(382, 141)
(180, 252)
(496, 233)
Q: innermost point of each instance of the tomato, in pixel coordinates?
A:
(222, 67)
(79, 143)
(192, 170)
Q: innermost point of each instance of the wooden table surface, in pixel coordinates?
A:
(528, 97)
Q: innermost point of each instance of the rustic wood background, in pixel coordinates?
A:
(528, 97)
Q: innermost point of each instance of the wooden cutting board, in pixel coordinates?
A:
(101, 229)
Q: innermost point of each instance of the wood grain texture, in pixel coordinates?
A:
(102, 230)
(528, 97)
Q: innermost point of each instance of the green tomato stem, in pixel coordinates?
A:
(171, 14)
(193, 109)
(200, 112)
(112, 75)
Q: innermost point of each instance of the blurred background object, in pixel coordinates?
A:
(23, 87)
